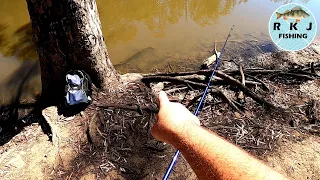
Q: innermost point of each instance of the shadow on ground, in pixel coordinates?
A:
(19, 113)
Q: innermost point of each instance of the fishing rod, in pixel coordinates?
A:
(177, 154)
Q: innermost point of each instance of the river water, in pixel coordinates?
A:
(142, 35)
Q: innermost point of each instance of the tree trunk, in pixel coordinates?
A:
(68, 35)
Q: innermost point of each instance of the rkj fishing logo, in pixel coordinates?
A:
(292, 27)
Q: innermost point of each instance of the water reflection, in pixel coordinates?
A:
(157, 15)
(121, 20)
(169, 27)
(21, 45)
(2, 37)
(289, 1)
(205, 12)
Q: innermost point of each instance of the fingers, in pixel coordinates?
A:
(163, 98)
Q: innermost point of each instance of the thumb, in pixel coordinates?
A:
(163, 98)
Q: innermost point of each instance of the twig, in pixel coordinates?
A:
(312, 68)
(243, 82)
(296, 75)
(170, 68)
(176, 89)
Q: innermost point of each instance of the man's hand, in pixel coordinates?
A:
(173, 118)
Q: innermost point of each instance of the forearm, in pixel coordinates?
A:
(211, 157)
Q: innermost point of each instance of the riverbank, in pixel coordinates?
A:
(120, 144)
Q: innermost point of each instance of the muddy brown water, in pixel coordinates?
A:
(144, 35)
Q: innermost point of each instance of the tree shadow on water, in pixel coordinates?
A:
(16, 115)
(20, 45)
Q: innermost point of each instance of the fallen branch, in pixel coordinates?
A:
(172, 74)
(185, 81)
(225, 98)
(215, 80)
(247, 91)
(258, 80)
(313, 67)
(150, 79)
(208, 72)
(214, 91)
(305, 73)
(231, 80)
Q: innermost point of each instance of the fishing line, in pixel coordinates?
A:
(176, 155)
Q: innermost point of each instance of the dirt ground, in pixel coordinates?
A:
(114, 143)
(298, 160)
(36, 159)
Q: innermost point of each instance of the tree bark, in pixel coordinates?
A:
(68, 35)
